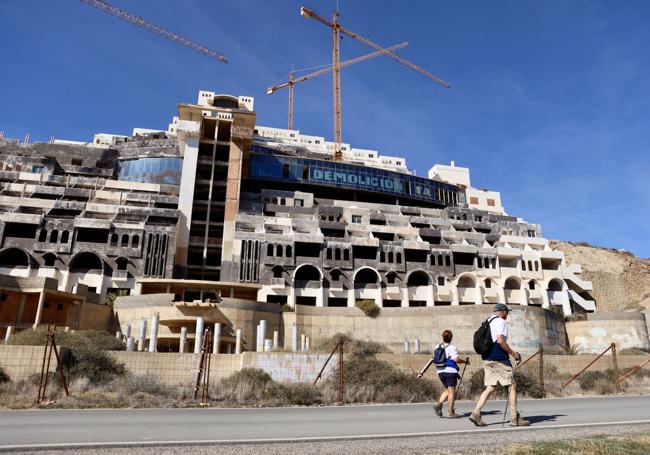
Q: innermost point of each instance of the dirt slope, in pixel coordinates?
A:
(621, 280)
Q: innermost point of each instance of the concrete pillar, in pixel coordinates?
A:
(198, 337)
(216, 345)
(351, 298)
(10, 331)
(276, 339)
(302, 342)
(478, 299)
(294, 338)
(454, 293)
(545, 302)
(238, 341)
(430, 298)
(417, 345)
(268, 345)
(130, 344)
(262, 333)
(406, 346)
(405, 296)
(21, 309)
(39, 309)
(258, 342)
(143, 335)
(306, 344)
(153, 338)
(127, 333)
(182, 346)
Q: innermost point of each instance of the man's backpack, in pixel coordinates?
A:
(483, 338)
(440, 356)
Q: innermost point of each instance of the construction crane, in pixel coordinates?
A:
(337, 29)
(293, 81)
(142, 23)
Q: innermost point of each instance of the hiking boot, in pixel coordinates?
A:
(475, 418)
(453, 415)
(437, 408)
(519, 421)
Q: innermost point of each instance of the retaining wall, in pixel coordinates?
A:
(598, 330)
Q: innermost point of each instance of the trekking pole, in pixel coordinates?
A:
(460, 381)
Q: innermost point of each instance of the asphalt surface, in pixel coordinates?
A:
(167, 427)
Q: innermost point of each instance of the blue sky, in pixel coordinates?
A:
(550, 101)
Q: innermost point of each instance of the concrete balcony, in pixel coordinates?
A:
(508, 252)
(514, 296)
(443, 291)
(535, 295)
(120, 275)
(491, 293)
(467, 294)
(277, 283)
(48, 272)
(549, 254)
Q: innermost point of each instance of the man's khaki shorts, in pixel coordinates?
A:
(497, 373)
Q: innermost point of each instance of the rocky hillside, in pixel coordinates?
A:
(621, 280)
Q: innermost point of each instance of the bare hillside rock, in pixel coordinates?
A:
(621, 280)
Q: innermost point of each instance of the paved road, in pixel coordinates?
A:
(79, 428)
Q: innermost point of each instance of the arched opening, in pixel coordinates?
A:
(391, 278)
(555, 285)
(346, 255)
(328, 254)
(49, 259)
(85, 262)
(382, 256)
(278, 251)
(418, 278)
(289, 251)
(114, 238)
(269, 250)
(278, 271)
(135, 241)
(65, 236)
(486, 263)
(523, 265)
(122, 263)
(14, 257)
(512, 283)
(531, 285)
(466, 281)
(337, 254)
(447, 261)
(536, 266)
(125, 241)
(54, 237)
(42, 236)
(530, 266)
(398, 258)
(391, 258)
(306, 274)
(440, 260)
(365, 277)
(336, 274)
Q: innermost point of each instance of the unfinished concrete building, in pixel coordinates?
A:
(217, 213)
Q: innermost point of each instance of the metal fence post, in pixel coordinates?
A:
(541, 368)
(615, 362)
(341, 381)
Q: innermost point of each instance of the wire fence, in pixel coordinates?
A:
(322, 376)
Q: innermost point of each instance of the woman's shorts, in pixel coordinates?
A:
(448, 379)
(497, 373)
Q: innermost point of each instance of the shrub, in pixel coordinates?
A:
(368, 379)
(96, 365)
(369, 307)
(286, 308)
(527, 385)
(602, 382)
(351, 346)
(296, 393)
(3, 376)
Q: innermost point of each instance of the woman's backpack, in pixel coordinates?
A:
(440, 356)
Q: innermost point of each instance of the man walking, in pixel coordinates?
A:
(498, 369)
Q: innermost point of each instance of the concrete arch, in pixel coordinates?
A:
(354, 275)
(303, 266)
(337, 271)
(85, 261)
(278, 271)
(411, 282)
(15, 257)
(512, 281)
(49, 259)
(463, 279)
(556, 284)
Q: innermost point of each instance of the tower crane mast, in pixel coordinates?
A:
(153, 28)
(337, 30)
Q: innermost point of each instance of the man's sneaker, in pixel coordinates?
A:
(519, 421)
(475, 418)
(453, 415)
(437, 408)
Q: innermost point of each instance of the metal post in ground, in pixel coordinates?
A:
(341, 380)
(541, 368)
(615, 363)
